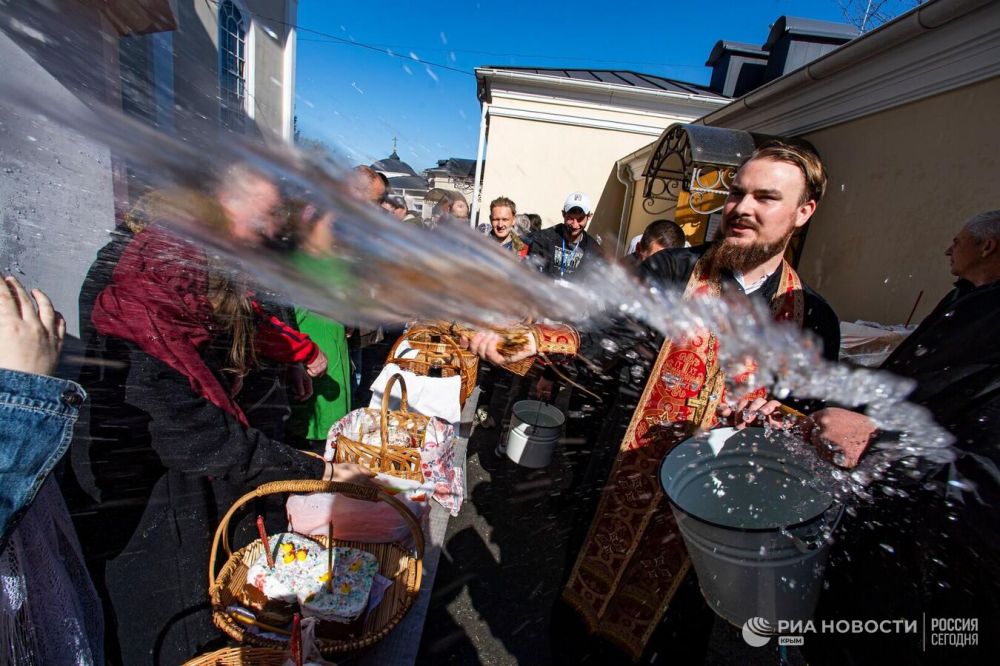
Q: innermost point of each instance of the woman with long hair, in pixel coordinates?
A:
(194, 338)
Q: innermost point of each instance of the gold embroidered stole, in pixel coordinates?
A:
(633, 558)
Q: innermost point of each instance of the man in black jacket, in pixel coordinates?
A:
(943, 555)
(566, 250)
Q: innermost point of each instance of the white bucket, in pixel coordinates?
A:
(757, 532)
(535, 427)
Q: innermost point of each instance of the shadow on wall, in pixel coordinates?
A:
(609, 205)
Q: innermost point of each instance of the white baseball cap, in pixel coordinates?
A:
(578, 200)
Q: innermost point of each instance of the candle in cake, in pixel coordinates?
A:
(296, 642)
(329, 557)
(263, 540)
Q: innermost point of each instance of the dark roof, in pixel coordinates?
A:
(457, 166)
(809, 28)
(722, 47)
(393, 164)
(622, 77)
(408, 183)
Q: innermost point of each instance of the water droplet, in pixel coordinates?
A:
(962, 484)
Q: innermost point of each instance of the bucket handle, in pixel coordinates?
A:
(831, 517)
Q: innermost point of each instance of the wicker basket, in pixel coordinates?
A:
(400, 461)
(241, 656)
(396, 562)
(437, 352)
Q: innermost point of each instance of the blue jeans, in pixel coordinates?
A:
(37, 414)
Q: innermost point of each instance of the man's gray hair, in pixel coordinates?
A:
(522, 225)
(985, 225)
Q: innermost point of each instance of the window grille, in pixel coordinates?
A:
(232, 66)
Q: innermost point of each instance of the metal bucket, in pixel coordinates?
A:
(758, 533)
(535, 427)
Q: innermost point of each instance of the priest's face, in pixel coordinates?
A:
(765, 206)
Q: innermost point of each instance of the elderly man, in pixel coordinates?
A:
(632, 560)
(566, 250)
(943, 556)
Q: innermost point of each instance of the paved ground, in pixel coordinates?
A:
(502, 563)
(504, 560)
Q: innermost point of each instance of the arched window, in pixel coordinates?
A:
(233, 68)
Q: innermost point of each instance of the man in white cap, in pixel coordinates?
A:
(566, 250)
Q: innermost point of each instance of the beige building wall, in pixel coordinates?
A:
(196, 68)
(273, 79)
(463, 187)
(901, 184)
(537, 164)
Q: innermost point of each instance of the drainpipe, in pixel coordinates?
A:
(624, 174)
(479, 166)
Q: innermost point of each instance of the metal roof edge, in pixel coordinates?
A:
(920, 20)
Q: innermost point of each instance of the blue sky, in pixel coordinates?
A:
(356, 99)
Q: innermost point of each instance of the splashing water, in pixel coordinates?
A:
(391, 272)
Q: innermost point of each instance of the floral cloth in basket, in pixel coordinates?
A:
(442, 473)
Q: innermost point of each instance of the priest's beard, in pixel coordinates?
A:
(742, 258)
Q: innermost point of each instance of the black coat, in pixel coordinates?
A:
(936, 551)
(551, 253)
(180, 463)
(674, 267)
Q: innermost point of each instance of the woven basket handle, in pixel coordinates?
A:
(400, 340)
(384, 416)
(442, 331)
(367, 493)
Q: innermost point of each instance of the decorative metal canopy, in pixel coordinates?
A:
(697, 159)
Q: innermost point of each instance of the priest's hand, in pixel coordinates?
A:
(759, 410)
(484, 344)
(842, 436)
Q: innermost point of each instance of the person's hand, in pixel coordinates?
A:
(32, 339)
(842, 436)
(484, 345)
(299, 383)
(747, 412)
(543, 388)
(318, 366)
(351, 473)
